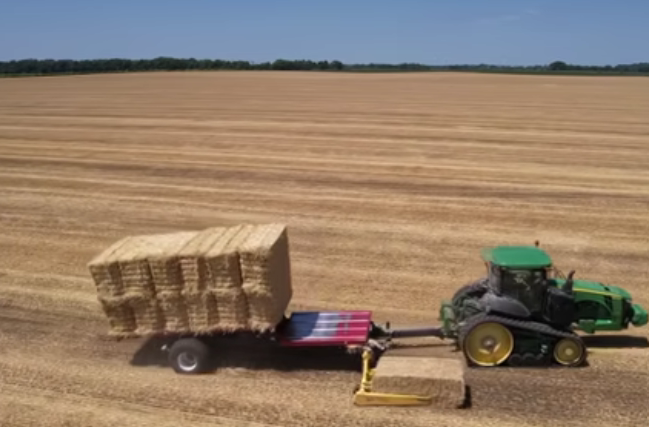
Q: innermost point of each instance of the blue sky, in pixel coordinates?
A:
(426, 31)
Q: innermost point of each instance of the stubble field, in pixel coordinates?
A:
(390, 185)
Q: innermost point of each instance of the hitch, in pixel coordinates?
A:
(448, 329)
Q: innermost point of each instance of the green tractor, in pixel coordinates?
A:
(526, 312)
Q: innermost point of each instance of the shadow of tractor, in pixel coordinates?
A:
(615, 341)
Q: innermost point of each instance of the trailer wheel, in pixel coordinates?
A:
(189, 356)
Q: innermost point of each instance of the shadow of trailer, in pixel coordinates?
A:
(312, 340)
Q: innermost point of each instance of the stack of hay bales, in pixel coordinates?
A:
(221, 279)
(441, 379)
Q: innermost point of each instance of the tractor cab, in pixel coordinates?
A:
(520, 273)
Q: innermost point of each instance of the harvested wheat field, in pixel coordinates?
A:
(389, 184)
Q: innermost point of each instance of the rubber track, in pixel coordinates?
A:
(516, 324)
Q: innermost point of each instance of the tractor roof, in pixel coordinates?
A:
(517, 257)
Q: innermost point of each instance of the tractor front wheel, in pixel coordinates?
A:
(488, 343)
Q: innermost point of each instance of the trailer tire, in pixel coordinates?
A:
(189, 356)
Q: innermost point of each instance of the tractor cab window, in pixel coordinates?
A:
(527, 286)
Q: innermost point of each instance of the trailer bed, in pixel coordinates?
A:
(326, 328)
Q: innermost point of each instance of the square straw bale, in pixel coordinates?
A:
(104, 270)
(266, 308)
(174, 310)
(148, 314)
(265, 261)
(163, 259)
(121, 319)
(440, 378)
(202, 310)
(134, 259)
(232, 308)
(136, 276)
(192, 261)
(223, 258)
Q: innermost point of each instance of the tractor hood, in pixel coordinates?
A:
(639, 315)
(597, 288)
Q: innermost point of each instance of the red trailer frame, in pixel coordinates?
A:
(325, 328)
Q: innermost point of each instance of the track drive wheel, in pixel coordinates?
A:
(488, 343)
(569, 352)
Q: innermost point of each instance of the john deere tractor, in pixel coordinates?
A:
(525, 311)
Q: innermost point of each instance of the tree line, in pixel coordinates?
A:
(114, 65)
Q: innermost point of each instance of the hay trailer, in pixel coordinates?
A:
(195, 354)
(200, 291)
(353, 331)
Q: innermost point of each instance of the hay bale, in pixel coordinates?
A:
(266, 273)
(162, 256)
(232, 308)
(219, 279)
(265, 309)
(174, 310)
(121, 319)
(264, 258)
(193, 266)
(104, 270)
(149, 318)
(202, 310)
(223, 258)
(440, 378)
(147, 259)
(133, 265)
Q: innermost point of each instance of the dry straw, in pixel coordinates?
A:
(174, 311)
(163, 260)
(265, 274)
(265, 309)
(202, 311)
(219, 279)
(195, 272)
(223, 258)
(147, 311)
(440, 378)
(264, 258)
(120, 315)
(134, 267)
(105, 272)
(232, 307)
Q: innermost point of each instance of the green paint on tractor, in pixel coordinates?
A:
(527, 257)
(526, 311)
(603, 307)
(599, 307)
